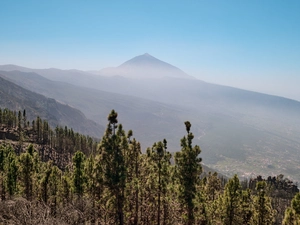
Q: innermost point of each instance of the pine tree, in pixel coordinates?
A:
(11, 169)
(45, 134)
(290, 217)
(188, 169)
(231, 202)
(113, 164)
(264, 214)
(24, 119)
(78, 174)
(65, 187)
(132, 189)
(160, 158)
(91, 183)
(39, 129)
(212, 190)
(44, 183)
(246, 209)
(54, 182)
(292, 213)
(26, 169)
(19, 122)
(4, 152)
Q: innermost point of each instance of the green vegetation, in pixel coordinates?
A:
(61, 177)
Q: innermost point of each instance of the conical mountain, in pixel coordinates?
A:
(147, 60)
(145, 66)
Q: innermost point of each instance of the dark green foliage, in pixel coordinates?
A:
(133, 178)
(264, 214)
(112, 148)
(231, 201)
(188, 170)
(24, 119)
(79, 175)
(26, 169)
(212, 189)
(45, 182)
(8, 170)
(12, 172)
(292, 213)
(160, 161)
(246, 207)
(54, 181)
(115, 183)
(19, 121)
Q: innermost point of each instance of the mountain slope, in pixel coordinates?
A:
(15, 97)
(151, 121)
(239, 131)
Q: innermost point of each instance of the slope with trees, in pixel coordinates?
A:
(113, 182)
(17, 98)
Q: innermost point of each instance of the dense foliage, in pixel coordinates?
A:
(113, 182)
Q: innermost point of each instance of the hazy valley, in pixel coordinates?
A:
(239, 131)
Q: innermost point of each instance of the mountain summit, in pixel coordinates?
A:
(145, 66)
(145, 60)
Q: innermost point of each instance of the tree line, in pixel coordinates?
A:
(113, 182)
(60, 141)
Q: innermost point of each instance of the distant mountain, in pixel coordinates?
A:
(141, 67)
(76, 76)
(144, 66)
(239, 131)
(17, 98)
(11, 67)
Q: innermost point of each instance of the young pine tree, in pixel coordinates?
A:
(188, 169)
(8, 171)
(264, 214)
(212, 190)
(231, 202)
(133, 182)
(11, 168)
(112, 148)
(292, 214)
(27, 172)
(79, 178)
(246, 207)
(160, 160)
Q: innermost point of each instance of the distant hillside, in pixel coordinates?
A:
(150, 120)
(239, 131)
(15, 97)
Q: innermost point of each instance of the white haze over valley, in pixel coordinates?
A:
(239, 131)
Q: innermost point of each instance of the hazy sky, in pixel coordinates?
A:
(251, 44)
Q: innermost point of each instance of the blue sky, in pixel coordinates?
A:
(253, 45)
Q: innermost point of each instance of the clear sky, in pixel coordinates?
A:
(253, 45)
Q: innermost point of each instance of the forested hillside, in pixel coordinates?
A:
(61, 177)
(16, 98)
